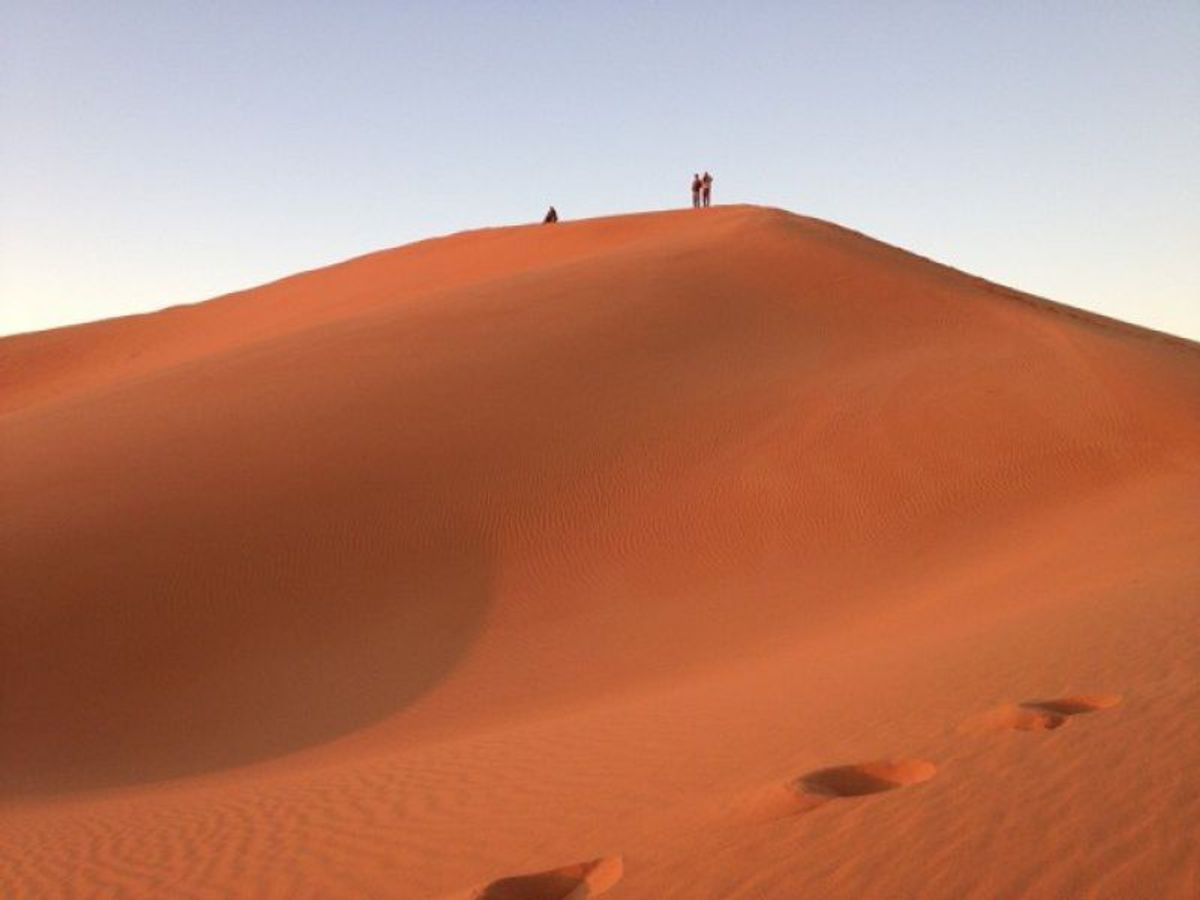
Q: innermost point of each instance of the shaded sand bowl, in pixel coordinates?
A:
(574, 882)
(819, 787)
(1038, 715)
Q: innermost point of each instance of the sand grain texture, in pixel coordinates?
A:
(727, 554)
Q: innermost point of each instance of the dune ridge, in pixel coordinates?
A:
(488, 554)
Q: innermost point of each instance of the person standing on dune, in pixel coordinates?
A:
(706, 188)
(696, 185)
(551, 216)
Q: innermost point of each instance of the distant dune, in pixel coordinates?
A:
(697, 554)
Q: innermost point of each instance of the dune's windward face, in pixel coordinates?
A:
(737, 553)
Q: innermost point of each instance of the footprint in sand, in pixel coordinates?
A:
(574, 882)
(1038, 715)
(819, 787)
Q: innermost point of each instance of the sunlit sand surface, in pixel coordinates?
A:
(717, 554)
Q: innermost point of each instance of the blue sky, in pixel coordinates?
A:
(154, 153)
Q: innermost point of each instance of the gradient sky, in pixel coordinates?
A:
(154, 153)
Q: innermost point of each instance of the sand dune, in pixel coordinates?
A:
(731, 552)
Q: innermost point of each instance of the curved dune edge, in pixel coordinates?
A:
(518, 544)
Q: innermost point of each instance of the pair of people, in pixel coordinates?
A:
(701, 190)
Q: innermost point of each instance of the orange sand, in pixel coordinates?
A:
(726, 554)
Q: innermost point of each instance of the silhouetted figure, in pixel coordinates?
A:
(697, 184)
(551, 216)
(706, 189)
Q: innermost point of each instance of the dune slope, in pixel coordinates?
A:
(691, 554)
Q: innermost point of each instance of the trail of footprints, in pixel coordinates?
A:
(808, 792)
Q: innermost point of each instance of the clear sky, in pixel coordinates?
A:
(155, 152)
